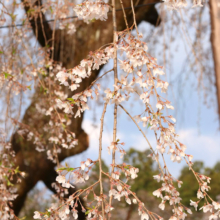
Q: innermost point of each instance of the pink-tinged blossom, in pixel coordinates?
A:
(119, 187)
(179, 183)
(190, 157)
(160, 149)
(134, 201)
(62, 76)
(157, 71)
(178, 159)
(115, 176)
(62, 180)
(216, 205)
(183, 147)
(88, 162)
(108, 208)
(145, 121)
(71, 29)
(206, 208)
(144, 97)
(213, 217)
(157, 193)
(83, 166)
(37, 215)
(169, 106)
(195, 204)
(111, 147)
(112, 192)
(117, 196)
(189, 211)
(157, 177)
(205, 187)
(144, 216)
(128, 201)
(163, 86)
(200, 194)
(75, 214)
(162, 205)
(159, 106)
(133, 172)
(173, 119)
(73, 87)
(78, 113)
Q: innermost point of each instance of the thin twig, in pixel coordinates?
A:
(100, 159)
(98, 79)
(135, 23)
(125, 18)
(115, 90)
(144, 136)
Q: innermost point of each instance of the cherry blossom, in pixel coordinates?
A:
(92, 10)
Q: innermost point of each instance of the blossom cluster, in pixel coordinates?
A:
(8, 173)
(92, 10)
(78, 175)
(73, 77)
(173, 5)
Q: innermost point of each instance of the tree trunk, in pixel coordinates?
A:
(215, 40)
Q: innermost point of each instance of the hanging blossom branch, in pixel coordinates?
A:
(138, 69)
(100, 160)
(115, 90)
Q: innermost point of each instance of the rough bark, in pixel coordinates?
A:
(215, 40)
(69, 50)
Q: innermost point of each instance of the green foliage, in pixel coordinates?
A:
(7, 75)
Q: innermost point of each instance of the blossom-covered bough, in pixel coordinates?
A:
(136, 73)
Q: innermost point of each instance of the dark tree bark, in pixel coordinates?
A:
(69, 50)
(215, 41)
